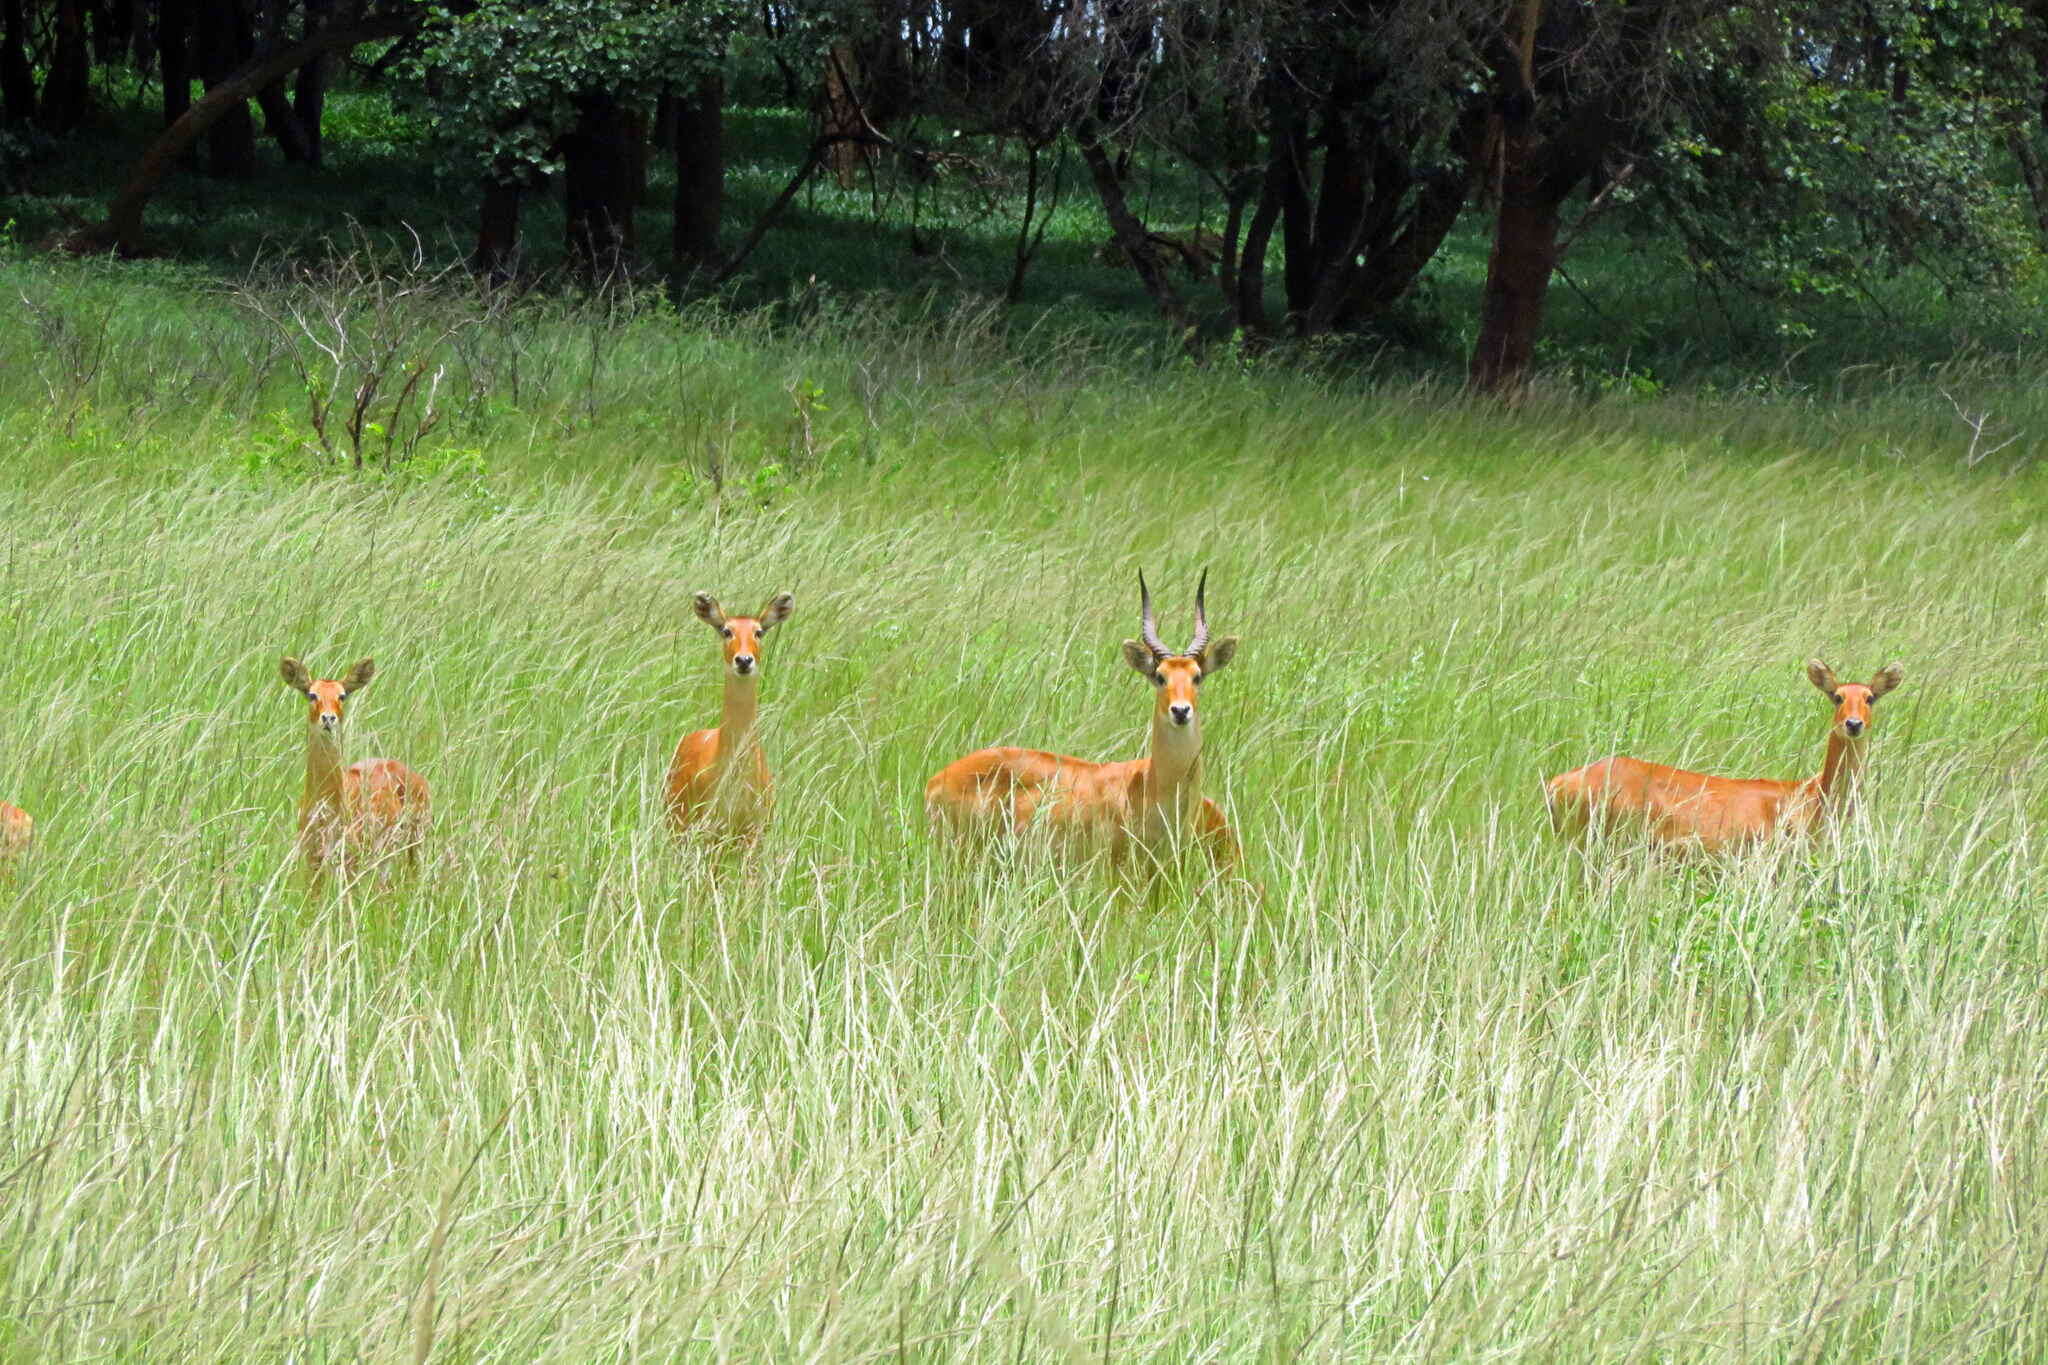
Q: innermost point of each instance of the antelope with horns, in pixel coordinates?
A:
(1154, 803)
(1692, 812)
(720, 777)
(351, 818)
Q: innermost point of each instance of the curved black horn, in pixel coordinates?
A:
(1148, 629)
(1201, 640)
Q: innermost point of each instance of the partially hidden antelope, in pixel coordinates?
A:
(16, 830)
(1692, 812)
(362, 815)
(719, 778)
(1154, 803)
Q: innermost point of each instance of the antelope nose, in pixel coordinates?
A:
(328, 720)
(1853, 726)
(743, 663)
(1181, 712)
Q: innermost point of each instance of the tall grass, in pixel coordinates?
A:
(578, 1093)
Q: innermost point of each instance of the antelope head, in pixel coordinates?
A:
(740, 636)
(1852, 700)
(327, 695)
(1177, 676)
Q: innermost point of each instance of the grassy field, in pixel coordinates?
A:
(580, 1094)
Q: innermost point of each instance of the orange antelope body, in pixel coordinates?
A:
(720, 777)
(1154, 802)
(16, 829)
(351, 817)
(1694, 812)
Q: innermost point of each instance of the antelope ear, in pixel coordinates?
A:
(359, 677)
(1821, 676)
(1217, 656)
(1141, 658)
(707, 610)
(777, 611)
(296, 676)
(1888, 677)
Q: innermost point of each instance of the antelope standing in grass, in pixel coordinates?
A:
(16, 829)
(1692, 812)
(1154, 803)
(366, 813)
(720, 777)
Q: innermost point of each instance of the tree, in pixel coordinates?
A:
(122, 229)
(520, 89)
(1372, 134)
(1570, 81)
(1812, 153)
(17, 73)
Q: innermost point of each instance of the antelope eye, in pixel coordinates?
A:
(312, 696)
(726, 631)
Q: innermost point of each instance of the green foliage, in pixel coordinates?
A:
(499, 84)
(1845, 148)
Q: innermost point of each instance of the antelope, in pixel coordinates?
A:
(363, 813)
(1153, 802)
(16, 829)
(1692, 812)
(722, 773)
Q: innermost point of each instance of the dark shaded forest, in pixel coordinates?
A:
(1723, 187)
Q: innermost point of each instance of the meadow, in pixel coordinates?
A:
(1438, 1089)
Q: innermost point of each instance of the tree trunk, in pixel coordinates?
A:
(1339, 226)
(309, 105)
(1239, 188)
(122, 229)
(1518, 270)
(662, 138)
(2032, 174)
(113, 30)
(1397, 266)
(598, 180)
(174, 56)
(496, 257)
(224, 45)
(1131, 237)
(281, 121)
(1251, 266)
(1025, 249)
(699, 136)
(67, 87)
(17, 76)
(1297, 227)
(309, 94)
(1525, 224)
(843, 124)
(888, 85)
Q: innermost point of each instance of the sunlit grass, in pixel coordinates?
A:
(1441, 1091)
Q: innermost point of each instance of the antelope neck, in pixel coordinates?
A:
(736, 721)
(1176, 759)
(323, 766)
(1836, 785)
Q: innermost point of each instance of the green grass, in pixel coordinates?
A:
(581, 1094)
